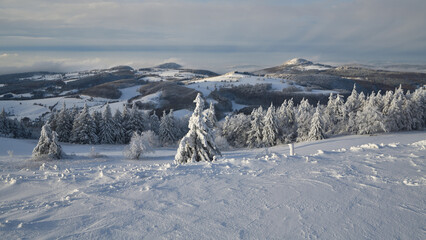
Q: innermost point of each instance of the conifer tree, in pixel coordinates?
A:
(234, 129)
(107, 128)
(304, 114)
(154, 122)
(97, 120)
(255, 133)
(369, 119)
(316, 132)
(64, 124)
(4, 123)
(127, 127)
(48, 145)
(270, 129)
(168, 132)
(198, 144)
(210, 116)
(119, 133)
(352, 105)
(84, 128)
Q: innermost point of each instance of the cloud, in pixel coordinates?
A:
(359, 28)
(6, 55)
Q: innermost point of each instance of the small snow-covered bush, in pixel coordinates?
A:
(139, 145)
(48, 145)
(94, 154)
(222, 143)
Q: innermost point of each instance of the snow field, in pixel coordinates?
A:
(352, 187)
(207, 85)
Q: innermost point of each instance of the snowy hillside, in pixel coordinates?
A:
(207, 85)
(352, 187)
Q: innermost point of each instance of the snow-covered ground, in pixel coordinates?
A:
(350, 187)
(207, 85)
(37, 107)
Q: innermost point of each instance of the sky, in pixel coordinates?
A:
(63, 35)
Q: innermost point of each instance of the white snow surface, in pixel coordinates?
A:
(350, 187)
(207, 85)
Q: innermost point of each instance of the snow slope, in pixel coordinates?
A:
(351, 187)
(207, 85)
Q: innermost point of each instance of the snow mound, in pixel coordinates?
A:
(420, 144)
(364, 146)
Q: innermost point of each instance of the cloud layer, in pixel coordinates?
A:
(362, 29)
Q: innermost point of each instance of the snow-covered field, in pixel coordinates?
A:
(207, 85)
(350, 187)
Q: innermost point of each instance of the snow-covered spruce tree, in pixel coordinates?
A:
(4, 124)
(97, 120)
(316, 132)
(168, 132)
(304, 115)
(417, 107)
(234, 129)
(334, 115)
(154, 123)
(352, 105)
(369, 119)
(198, 144)
(47, 145)
(107, 127)
(289, 131)
(84, 128)
(210, 116)
(64, 124)
(270, 129)
(139, 145)
(125, 122)
(53, 119)
(119, 133)
(255, 132)
(136, 121)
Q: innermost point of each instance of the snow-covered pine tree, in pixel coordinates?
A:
(290, 128)
(97, 120)
(53, 119)
(84, 128)
(4, 124)
(198, 144)
(334, 115)
(108, 128)
(154, 123)
(125, 122)
(55, 150)
(255, 132)
(316, 132)
(119, 132)
(270, 129)
(168, 132)
(369, 119)
(352, 105)
(210, 116)
(64, 124)
(134, 120)
(417, 107)
(139, 145)
(47, 144)
(234, 129)
(304, 115)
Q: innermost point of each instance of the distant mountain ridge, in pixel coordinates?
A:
(170, 86)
